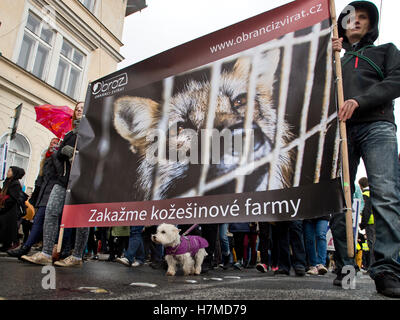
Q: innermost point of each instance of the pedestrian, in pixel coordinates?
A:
(315, 243)
(239, 231)
(134, 256)
(102, 237)
(371, 81)
(27, 221)
(367, 219)
(62, 159)
(264, 245)
(366, 256)
(224, 243)
(118, 242)
(209, 232)
(250, 246)
(268, 247)
(358, 195)
(156, 250)
(92, 245)
(11, 200)
(359, 251)
(290, 239)
(43, 185)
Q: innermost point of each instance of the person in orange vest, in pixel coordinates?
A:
(367, 219)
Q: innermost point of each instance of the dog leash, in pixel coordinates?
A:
(190, 229)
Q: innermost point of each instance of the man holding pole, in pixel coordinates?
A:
(371, 81)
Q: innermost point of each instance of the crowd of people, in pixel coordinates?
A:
(371, 78)
(276, 247)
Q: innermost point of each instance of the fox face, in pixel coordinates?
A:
(136, 119)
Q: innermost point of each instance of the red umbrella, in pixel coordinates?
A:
(57, 119)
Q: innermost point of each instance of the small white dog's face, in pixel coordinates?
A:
(167, 235)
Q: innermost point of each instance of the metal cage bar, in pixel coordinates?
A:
(306, 103)
(162, 127)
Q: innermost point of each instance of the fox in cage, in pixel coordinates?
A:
(137, 118)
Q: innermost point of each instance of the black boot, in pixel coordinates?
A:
(226, 262)
(388, 284)
(207, 265)
(17, 253)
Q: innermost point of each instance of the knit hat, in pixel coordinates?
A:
(18, 172)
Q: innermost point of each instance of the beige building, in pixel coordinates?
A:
(50, 51)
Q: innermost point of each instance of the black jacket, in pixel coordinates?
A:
(14, 191)
(44, 184)
(9, 214)
(362, 82)
(366, 213)
(62, 162)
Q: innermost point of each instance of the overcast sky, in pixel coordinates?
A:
(165, 24)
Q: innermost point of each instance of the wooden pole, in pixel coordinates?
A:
(343, 134)
(60, 239)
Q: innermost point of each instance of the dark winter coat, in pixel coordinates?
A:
(9, 213)
(44, 184)
(361, 81)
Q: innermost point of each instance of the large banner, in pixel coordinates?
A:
(239, 125)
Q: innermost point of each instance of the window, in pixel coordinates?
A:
(89, 4)
(37, 44)
(69, 69)
(19, 152)
(48, 55)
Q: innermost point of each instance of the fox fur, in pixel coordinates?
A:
(135, 118)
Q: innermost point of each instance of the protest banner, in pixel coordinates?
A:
(236, 126)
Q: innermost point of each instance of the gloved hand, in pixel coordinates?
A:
(67, 151)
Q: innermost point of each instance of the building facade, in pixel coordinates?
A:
(50, 51)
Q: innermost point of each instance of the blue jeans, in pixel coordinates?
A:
(315, 240)
(223, 239)
(376, 144)
(135, 247)
(36, 233)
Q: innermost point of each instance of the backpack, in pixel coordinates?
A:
(21, 206)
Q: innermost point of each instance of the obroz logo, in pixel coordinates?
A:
(110, 86)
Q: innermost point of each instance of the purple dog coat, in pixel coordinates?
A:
(191, 244)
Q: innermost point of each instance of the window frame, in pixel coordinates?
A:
(94, 6)
(70, 65)
(13, 152)
(54, 55)
(37, 41)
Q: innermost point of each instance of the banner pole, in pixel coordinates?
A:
(343, 134)
(60, 239)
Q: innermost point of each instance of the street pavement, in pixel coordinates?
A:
(102, 280)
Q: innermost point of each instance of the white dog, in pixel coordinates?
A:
(186, 250)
